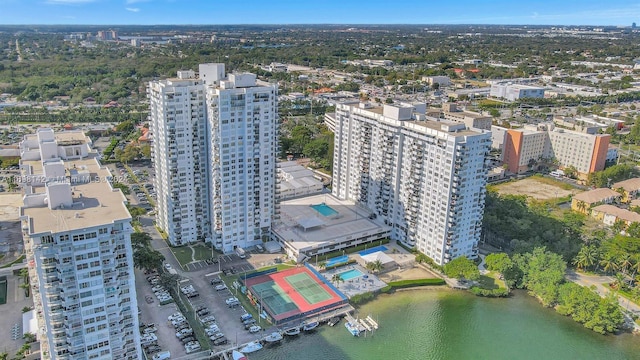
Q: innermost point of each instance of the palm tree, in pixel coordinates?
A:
(608, 263)
(619, 282)
(582, 206)
(635, 265)
(374, 266)
(322, 265)
(337, 279)
(624, 262)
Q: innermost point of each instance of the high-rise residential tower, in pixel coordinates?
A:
(243, 128)
(423, 176)
(179, 152)
(228, 193)
(76, 231)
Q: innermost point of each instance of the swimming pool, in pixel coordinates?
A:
(324, 209)
(347, 275)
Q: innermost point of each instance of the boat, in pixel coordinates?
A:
(251, 347)
(273, 338)
(293, 331)
(237, 355)
(333, 321)
(353, 328)
(310, 326)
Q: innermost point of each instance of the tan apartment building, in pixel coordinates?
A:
(587, 200)
(586, 152)
(631, 189)
(610, 214)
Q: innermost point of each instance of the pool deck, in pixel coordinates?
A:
(357, 285)
(351, 222)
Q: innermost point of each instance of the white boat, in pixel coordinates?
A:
(293, 331)
(354, 329)
(310, 326)
(251, 347)
(274, 337)
(237, 355)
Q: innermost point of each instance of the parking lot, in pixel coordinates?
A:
(158, 314)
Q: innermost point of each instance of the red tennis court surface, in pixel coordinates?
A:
(293, 293)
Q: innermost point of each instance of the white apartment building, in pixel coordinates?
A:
(513, 92)
(243, 131)
(178, 128)
(214, 149)
(76, 231)
(423, 176)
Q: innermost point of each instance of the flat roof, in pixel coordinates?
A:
(94, 202)
(351, 221)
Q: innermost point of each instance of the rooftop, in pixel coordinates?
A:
(596, 195)
(628, 185)
(350, 222)
(94, 201)
(621, 214)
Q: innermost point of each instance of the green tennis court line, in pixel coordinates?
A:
(310, 290)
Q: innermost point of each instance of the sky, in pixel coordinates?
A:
(221, 12)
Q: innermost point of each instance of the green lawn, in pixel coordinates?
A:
(491, 281)
(183, 254)
(203, 252)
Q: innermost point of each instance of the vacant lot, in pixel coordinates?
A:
(539, 189)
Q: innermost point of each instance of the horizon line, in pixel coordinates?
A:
(323, 24)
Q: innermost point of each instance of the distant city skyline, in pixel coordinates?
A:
(207, 12)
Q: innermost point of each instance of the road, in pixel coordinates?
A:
(600, 284)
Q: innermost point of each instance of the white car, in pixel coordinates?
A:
(221, 287)
(182, 333)
(168, 266)
(254, 329)
(176, 315)
(192, 347)
(212, 330)
(231, 300)
(207, 319)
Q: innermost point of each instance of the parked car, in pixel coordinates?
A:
(216, 336)
(216, 281)
(231, 300)
(220, 341)
(203, 312)
(176, 315)
(254, 329)
(184, 332)
(221, 287)
(249, 321)
(187, 339)
(153, 349)
(192, 347)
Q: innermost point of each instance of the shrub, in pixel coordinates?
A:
(351, 261)
(499, 292)
(414, 283)
(361, 298)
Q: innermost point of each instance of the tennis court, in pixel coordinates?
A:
(311, 291)
(294, 293)
(274, 298)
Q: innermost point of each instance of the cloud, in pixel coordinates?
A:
(132, 9)
(69, 2)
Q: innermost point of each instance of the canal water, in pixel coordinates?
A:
(446, 324)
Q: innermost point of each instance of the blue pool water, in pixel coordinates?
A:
(372, 250)
(324, 209)
(353, 273)
(337, 260)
